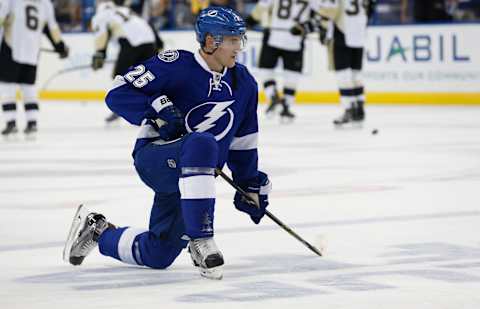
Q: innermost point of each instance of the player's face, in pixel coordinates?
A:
(228, 50)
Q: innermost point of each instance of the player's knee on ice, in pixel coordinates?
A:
(200, 149)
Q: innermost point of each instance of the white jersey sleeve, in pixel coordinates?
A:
(24, 28)
(265, 3)
(121, 23)
(100, 25)
(349, 16)
(135, 29)
(327, 8)
(4, 9)
(50, 16)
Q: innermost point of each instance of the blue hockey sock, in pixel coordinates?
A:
(197, 184)
(120, 243)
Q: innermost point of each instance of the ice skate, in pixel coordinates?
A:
(286, 115)
(275, 101)
(358, 112)
(31, 128)
(346, 117)
(111, 118)
(206, 257)
(10, 129)
(83, 236)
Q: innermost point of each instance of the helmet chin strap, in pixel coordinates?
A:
(207, 52)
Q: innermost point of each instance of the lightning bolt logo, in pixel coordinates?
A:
(218, 111)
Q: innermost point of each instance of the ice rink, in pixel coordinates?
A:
(399, 212)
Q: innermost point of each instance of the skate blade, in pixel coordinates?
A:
(78, 221)
(352, 125)
(270, 114)
(214, 273)
(31, 136)
(11, 137)
(286, 120)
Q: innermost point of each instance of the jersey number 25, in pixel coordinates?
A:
(138, 77)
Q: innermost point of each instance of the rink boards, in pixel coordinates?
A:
(434, 64)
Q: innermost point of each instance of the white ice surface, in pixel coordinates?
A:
(400, 212)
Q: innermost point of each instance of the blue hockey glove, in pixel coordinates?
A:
(169, 120)
(258, 189)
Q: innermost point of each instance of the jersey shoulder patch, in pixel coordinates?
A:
(168, 55)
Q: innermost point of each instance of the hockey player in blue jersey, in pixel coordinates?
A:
(197, 112)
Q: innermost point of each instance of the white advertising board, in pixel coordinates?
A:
(438, 62)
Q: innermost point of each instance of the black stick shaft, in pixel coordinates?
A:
(47, 50)
(268, 213)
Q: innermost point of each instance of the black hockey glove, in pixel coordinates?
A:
(258, 189)
(371, 8)
(322, 35)
(297, 29)
(62, 50)
(303, 28)
(250, 21)
(170, 123)
(98, 60)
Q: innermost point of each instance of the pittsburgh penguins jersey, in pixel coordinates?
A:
(23, 23)
(223, 104)
(349, 16)
(280, 16)
(120, 22)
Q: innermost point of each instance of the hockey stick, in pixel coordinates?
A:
(71, 69)
(269, 214)
(47, 50)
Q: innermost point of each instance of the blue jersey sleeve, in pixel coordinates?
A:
(134, 94)
(243, 154)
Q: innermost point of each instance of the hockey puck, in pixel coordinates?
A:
(374, 131)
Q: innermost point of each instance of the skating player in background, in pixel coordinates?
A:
(277, 18)
(343, 25)
(197, 111)
(22, 23)
(137, 39)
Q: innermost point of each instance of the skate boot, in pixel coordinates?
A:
(346, 117)
(112, 118)
(358, 112)
(83, 236)
(10, 129)
(286, 114)
(206, 257)
(274, 102)
(31, 127)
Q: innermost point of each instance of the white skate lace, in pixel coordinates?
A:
(87, 245)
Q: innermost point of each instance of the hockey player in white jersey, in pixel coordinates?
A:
(277, 18)
(347, 31)
(137, 39)
(22, 23)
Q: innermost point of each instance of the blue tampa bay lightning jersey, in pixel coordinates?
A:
(223, 104)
